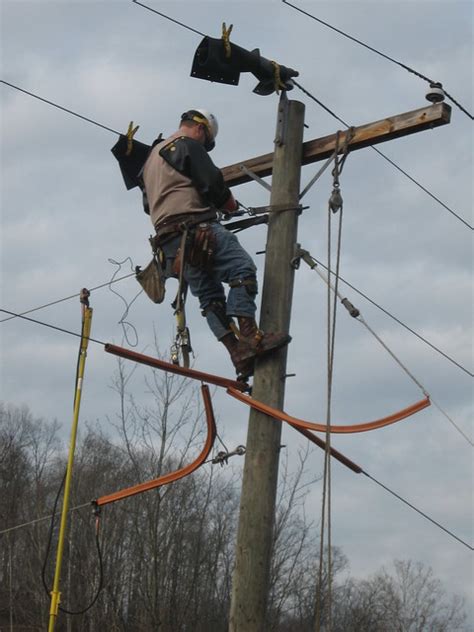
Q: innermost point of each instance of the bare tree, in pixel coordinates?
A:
(410, 599)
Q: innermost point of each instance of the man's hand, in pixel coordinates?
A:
(231, 208)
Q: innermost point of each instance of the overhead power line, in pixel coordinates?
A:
(89, 120)
(67, 298)
(353, 287)
(59, 107)
(61, 329)
(389, 160)
(101, 342)
(374, 50)
(397, 320)
(167, 17)
(79, 335)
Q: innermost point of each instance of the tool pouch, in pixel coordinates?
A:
(201, 250)
(152, 280)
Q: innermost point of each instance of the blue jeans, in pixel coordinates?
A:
(230, 263)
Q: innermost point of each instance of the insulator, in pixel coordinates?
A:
(436, 93)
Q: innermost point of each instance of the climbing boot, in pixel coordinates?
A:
(254, 342)
(244, 366)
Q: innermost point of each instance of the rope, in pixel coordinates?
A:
(335, 204)
(374, 50)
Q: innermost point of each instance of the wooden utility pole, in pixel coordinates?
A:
(251, 577)
(259, 485)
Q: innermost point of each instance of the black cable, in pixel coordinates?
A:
(419, 511)
(53, 515)
(67, 298)
(170, 19)
(39, 322)
(311, 96)
(46, 557)
(60, 107)
(397, 320)
(374, 50)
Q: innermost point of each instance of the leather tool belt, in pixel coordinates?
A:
(170, 228)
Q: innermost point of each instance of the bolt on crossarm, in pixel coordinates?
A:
(86, 329)
(251, 577)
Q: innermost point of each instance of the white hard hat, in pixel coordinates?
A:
(203, 116)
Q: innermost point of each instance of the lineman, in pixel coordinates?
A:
(184, 191)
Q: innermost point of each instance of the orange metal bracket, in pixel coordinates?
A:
(209, 378)
(300, 423)
(182, 472)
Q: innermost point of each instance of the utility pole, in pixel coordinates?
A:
(251, 577)
(259, 486)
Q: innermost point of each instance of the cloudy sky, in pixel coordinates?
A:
(65, 213)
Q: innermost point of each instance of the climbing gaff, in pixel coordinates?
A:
(209, 378)
(176, 475)
(85, 334)
(341, 429)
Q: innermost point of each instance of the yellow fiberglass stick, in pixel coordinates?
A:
(86, 328)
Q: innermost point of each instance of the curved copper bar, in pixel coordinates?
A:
(172, 476)
(300, 423)
(209, 378)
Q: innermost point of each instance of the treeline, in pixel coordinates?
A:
(166, 556)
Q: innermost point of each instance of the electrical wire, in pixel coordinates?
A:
(60, 107)
(382, 309)
(338, 118)
(167, 17)
(36, 520)
(422, 513)
(48, 548)
(67, 298)
(39, 322)
(397, 320)
(389, 160)
(419, 511)
(374, 50)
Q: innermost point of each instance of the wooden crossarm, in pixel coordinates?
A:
(364, 135)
